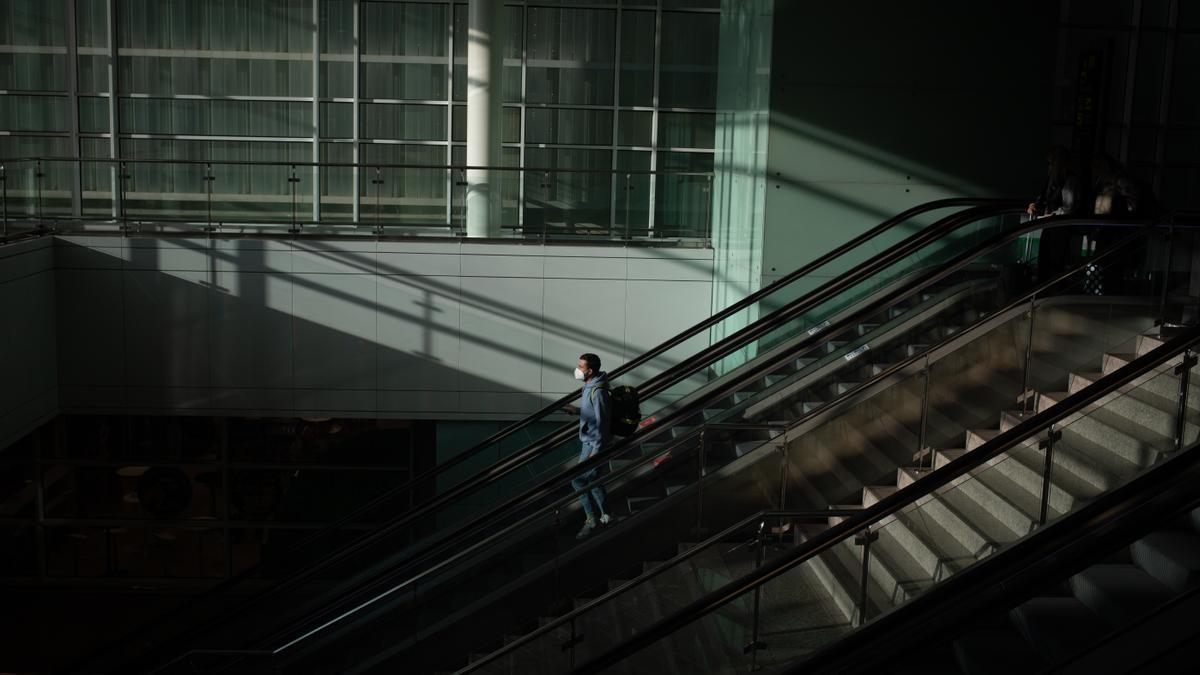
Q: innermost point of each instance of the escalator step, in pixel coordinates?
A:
(1119, 593)
(1058, 628)
(1173, 558)
(913, 350)
(809, 406)
(839, 388)
(803, 362)
(995, 652)
(741, 449)
(834, 345)
(618, 464)
(638, 504)
(877, 368)
(679, 431)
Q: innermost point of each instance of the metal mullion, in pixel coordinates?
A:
(356, 153)
(316, 111)
(650, 219)
(523, 104)
(37, 134)
(1164, 103)
(221, 137)
(73, 116)
(206, 97)
(1130, 78)
(450, 115)
(612, 179)
(114, 111)
(32, 92)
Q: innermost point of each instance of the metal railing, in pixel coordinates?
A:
(870, 518)
(285, 198)
(920, 365)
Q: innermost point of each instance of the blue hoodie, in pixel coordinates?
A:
(595, 412)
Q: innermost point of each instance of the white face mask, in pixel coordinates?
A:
(578, 374)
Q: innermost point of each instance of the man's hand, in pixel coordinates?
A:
(1032, 209)
(570, 409)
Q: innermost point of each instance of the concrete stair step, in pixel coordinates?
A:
(838, 572)
(971, 537)
(1138, 406)
(1087, 462)
(1136, 444)
(990, 509)
(1161, 382)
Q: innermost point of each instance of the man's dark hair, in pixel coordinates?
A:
(592, 360)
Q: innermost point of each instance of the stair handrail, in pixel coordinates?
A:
(903, 497)
(965, 335)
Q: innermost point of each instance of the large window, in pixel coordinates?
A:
(595, 95)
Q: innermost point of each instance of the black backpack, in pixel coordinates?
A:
(625, 412)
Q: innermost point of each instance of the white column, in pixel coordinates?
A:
(485, 69)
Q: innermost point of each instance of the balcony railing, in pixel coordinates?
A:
(330, 198)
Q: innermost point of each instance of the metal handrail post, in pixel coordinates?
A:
(755, 643)
(864, 539)
(1183, 370)
(1052, 436)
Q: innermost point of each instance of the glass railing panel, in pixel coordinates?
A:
(1013, 495)
(885, 430)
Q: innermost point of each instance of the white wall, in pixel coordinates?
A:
(28, 374)
(431, 330)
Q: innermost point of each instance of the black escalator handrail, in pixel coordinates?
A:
(464, 542)
(759, 328)
(748, 334)
(902, 498)
(654, 352)
(982, 208)
(652, 386)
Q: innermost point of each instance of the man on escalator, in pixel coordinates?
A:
(595, 424)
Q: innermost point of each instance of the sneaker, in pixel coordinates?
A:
(605, 519)
(588, 526)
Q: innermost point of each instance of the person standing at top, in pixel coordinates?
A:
(595, 433)
(1063, 192)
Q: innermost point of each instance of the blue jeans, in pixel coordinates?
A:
(597, 494)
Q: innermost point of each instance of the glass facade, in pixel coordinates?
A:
(599, 96)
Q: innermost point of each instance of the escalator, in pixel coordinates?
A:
(418, 514)
(884, 584)
(846, 356)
